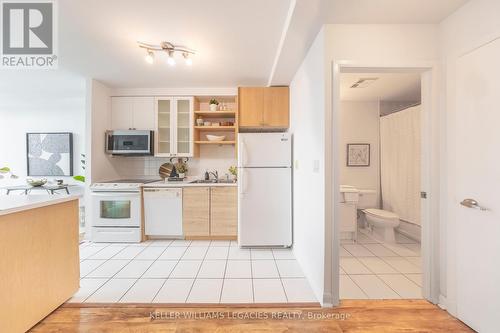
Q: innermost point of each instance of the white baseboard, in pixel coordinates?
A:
(327, 301)
(442, 302)
(410, 230)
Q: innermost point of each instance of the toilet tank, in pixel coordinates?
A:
(367, 199)
(349, 194)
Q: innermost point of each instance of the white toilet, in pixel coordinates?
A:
(381, 222)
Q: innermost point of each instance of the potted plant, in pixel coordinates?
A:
(213, 104)
(233, 171)
(81, 178)
(181, 169)
(7, 171)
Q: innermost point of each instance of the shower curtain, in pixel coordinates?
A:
(400, 163)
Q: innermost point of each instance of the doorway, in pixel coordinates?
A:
(368, 266)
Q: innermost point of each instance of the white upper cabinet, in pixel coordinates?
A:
(121, 113)
(144, 113)
(133, 113)
(174, 134)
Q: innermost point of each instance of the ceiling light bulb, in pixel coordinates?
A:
(150, 57)
(171, 60)
(189, 60)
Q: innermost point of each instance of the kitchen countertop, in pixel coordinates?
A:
(186, 183)
(17, 203)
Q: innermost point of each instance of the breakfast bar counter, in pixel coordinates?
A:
(39, 262)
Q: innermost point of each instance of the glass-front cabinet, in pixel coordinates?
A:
(174, 136)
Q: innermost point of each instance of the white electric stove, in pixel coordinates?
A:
(116, 210)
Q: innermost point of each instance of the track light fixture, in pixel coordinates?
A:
(170, 49)
(187, 58)
(150, 57)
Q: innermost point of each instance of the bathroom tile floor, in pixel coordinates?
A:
(371, 269)
(179, 271)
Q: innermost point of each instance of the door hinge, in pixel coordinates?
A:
(423, 195)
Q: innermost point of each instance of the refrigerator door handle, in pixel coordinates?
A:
(243, 181)
(244, 153)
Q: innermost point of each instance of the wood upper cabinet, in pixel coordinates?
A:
(132, 113)
(196, 211)
(276, 107)
(251, 103)
(224, 211)
(264, 107)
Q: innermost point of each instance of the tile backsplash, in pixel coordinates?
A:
(211, 158)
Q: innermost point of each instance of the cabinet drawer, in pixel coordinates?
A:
(119, 235)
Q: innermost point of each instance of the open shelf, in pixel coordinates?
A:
(216, 114)
(230, 114)
(215, 128)
(215, 142)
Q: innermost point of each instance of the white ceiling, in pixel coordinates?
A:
(239, 42)
(236, 40)
(304, 24)
(389, 87)
(390, 11)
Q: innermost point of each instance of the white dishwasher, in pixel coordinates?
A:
(163, 211)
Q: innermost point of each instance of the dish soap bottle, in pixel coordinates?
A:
(207, 176)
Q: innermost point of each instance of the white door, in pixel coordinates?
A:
(264, 150)
(164, 135)
(121, 113)
(144, 113)
(265, 207)
(478, 178)
(116, 209)
(183, 126)
(163, 211)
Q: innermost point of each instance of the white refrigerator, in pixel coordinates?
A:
(264, 190)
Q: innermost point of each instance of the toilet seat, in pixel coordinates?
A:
(385, 214)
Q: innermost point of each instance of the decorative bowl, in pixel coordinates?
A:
(215, 137)
(36, 182)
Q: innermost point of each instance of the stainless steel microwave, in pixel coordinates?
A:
(129, 142)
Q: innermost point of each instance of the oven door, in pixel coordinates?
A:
(116, 209)
(131, 142)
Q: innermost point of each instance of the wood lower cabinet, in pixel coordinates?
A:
(223, 211)
(196, 211)
(210, 212)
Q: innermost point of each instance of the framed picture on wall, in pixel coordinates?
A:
(49, 154)
(358, 154)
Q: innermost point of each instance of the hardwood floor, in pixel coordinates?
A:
(351, 316)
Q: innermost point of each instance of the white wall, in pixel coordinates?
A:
(39, 101)
(360, 123)
(474, 24)
(307, 112)
(100, 165)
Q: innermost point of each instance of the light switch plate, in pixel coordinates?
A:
(296, 164)
(316, 166)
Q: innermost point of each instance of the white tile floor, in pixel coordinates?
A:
(371, 269)
(166, 271)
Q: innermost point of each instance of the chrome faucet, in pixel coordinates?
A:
(215, 174)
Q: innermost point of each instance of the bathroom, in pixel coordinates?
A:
(380, 177)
